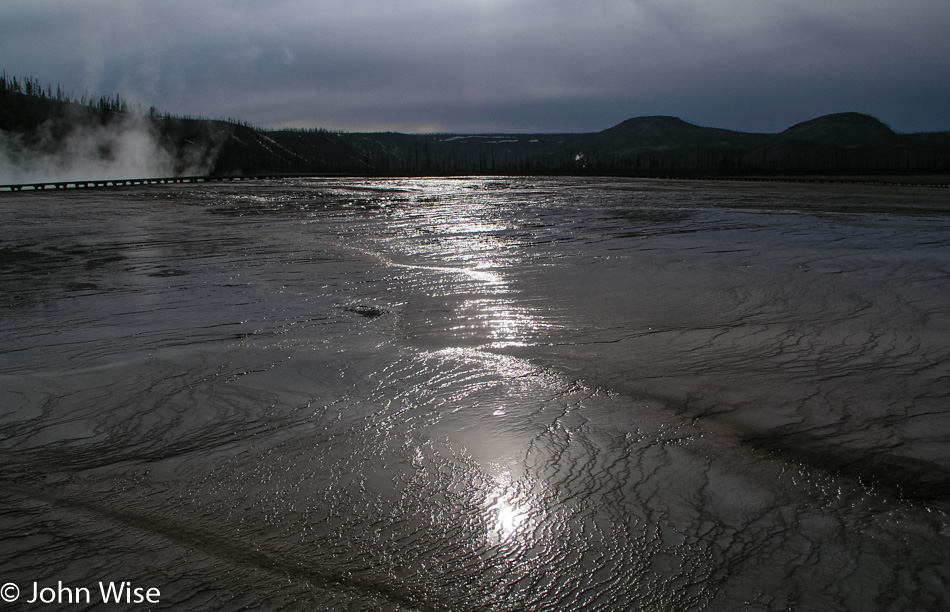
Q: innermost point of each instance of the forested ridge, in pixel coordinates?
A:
(37, 119)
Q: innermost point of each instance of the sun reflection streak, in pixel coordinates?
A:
(509, 514)
(502, 321)
(462, 249)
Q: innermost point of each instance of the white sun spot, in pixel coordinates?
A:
(507, 513)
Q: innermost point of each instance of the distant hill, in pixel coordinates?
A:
(41, 134)
(841, 130)
(660, 132)
(847, 143)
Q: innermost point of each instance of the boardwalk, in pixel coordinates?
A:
(96, 184)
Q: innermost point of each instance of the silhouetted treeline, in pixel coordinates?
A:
(846, 143)
(31, 87)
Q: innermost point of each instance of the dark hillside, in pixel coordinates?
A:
(42, 135)
(393, 154)
(844, 143)
(669, 145)
(841, 130)
(854, 143)
(659, 132)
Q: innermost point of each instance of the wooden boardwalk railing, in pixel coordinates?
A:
(95, 184)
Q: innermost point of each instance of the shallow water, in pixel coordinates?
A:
(479, 394)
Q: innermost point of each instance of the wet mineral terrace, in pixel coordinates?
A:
(468, 394)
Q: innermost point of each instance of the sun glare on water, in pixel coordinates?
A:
(508, 514)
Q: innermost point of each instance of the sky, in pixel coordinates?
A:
(478, 66)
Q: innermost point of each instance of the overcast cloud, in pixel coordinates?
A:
(495, 65)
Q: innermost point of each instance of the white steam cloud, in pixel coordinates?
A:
(126, 147)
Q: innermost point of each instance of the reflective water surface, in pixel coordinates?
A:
(466, 394)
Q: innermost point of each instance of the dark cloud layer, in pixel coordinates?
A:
(496, 65)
